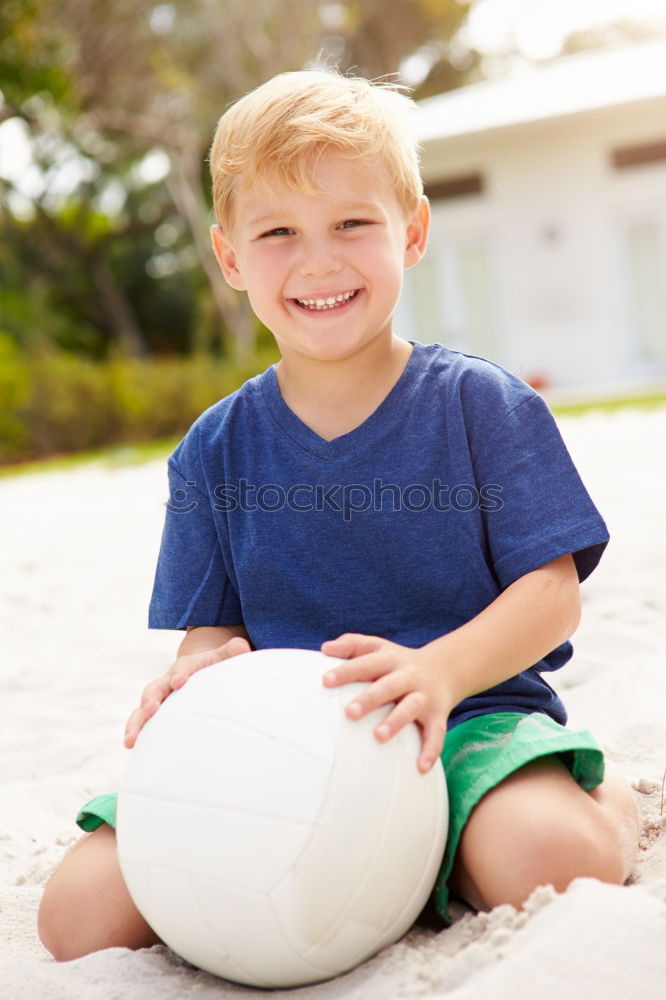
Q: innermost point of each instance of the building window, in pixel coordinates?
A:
(639, 156)
(450, 298)
(646, 252)
(455, 187)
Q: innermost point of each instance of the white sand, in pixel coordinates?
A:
(78, 550)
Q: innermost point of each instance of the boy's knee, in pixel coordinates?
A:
(70, 912)
(553, 852)
(86, 905)
(73, 918)
(569, 847)
(54, 923)
(550, 836)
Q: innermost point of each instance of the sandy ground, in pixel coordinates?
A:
(78, 550)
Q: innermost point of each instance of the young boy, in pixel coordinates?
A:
(404, 507)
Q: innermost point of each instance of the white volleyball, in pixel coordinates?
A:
(268, 839)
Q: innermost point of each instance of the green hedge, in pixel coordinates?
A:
(56, 403)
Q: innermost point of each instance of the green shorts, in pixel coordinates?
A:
(477, 756)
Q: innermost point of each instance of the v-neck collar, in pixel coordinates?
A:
(312, 442)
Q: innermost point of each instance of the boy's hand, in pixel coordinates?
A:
(157, 691)
(397, 674)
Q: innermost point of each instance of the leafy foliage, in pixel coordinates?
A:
(100, 255)
(54, 402)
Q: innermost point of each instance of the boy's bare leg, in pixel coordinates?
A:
(86, 905)
(539, 827)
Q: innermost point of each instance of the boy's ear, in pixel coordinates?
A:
(227, 258)
(417, 233)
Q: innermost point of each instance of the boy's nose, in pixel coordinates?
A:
(319, 260)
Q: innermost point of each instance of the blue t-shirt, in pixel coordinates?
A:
(406, 527)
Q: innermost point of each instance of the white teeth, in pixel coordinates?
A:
(329, 303)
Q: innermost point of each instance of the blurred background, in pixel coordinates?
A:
(544, 152)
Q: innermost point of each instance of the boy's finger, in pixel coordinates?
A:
(155, 692)
(360, 668)
(197, 661)
(350, 644)
(158, 690)
(433, 743)
(133, 727)
(407, 710)
(388, 688)
(236, 646)
(178, 675)
(152, 697)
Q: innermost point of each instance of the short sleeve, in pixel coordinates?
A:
(539, 507)
(191, 587)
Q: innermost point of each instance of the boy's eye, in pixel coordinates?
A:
(278, 231)
(354, 223)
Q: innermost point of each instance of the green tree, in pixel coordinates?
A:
(107, 82)
(374, 38)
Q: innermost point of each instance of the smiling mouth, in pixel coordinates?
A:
(327, 303)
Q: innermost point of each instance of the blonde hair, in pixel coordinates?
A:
(277, 132)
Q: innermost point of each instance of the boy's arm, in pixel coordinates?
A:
(201, 647)
(528, 620)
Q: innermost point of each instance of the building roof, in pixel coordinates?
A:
(587, 81)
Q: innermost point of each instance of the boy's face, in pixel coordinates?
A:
(323, 272)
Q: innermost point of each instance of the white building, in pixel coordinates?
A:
(548, 245)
